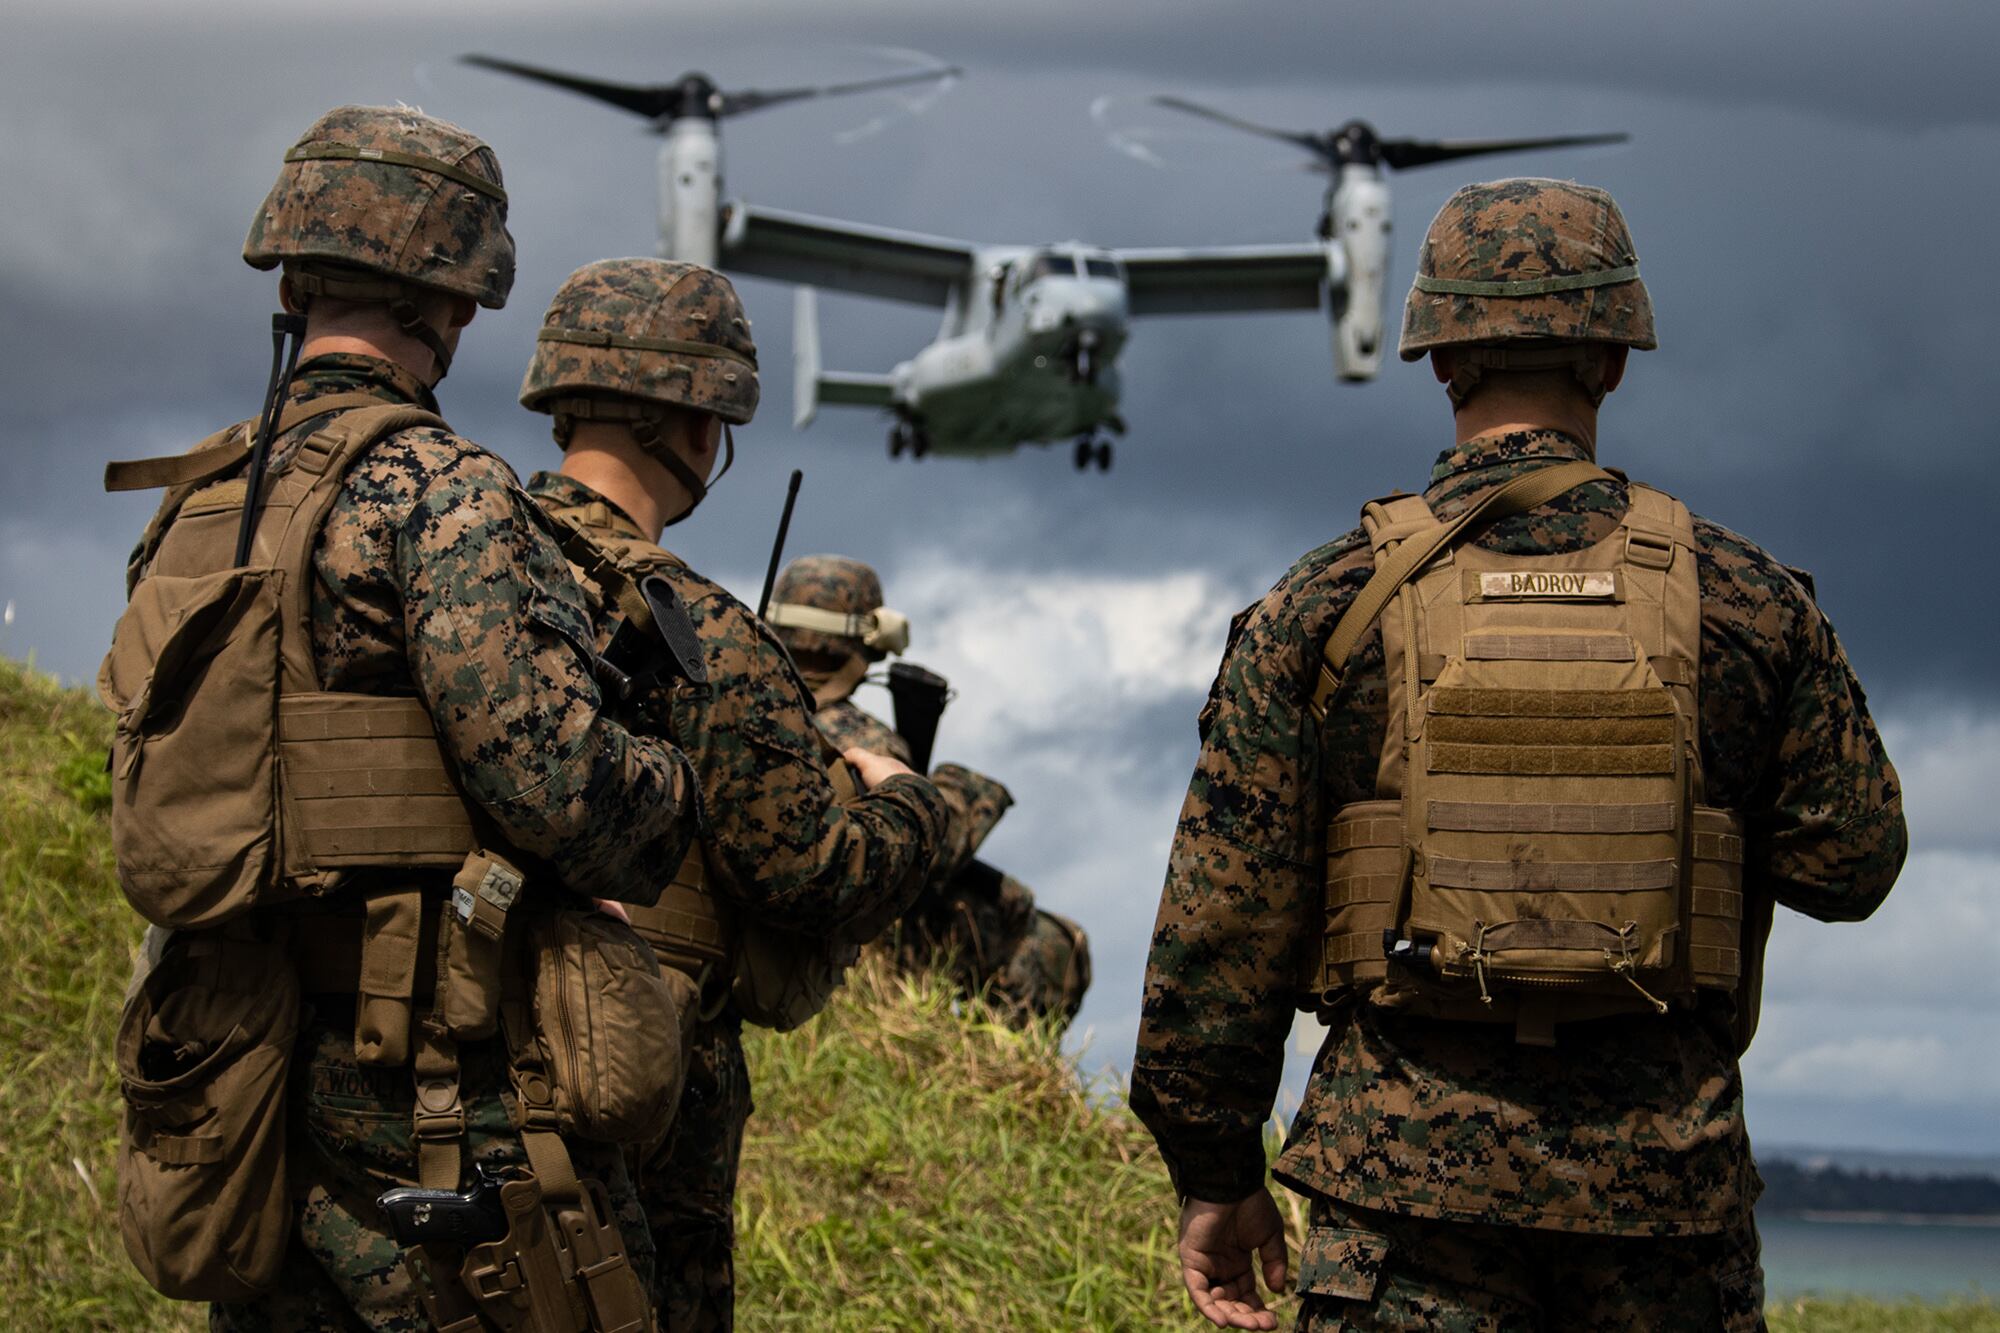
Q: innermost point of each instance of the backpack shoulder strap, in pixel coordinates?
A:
(1527, 491)
(319, 468)
(216, 456)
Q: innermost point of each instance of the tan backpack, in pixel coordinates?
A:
(236, 780)
(1538, 851)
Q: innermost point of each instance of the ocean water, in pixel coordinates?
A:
(1880, 1259)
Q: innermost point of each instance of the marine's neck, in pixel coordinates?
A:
(1498, 408)
(603, 456)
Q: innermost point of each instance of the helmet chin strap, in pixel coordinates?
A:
(646, 434)
(644, 420)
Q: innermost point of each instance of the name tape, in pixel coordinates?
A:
(1588, 585)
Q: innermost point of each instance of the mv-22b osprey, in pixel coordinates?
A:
(1031, 334)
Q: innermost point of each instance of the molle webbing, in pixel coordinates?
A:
(686, 927)
(367, 783)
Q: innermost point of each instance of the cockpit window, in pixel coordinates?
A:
(1053, 265)
(1101, 268)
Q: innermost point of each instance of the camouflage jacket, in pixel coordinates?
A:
(436, 575)
(976, 801)
(790, 852)
(1626, 1126)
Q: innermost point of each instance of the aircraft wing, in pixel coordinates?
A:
(1220, 279)
(844, 256)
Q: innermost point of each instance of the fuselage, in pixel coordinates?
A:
(1027, 352)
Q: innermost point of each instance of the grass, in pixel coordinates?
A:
(66, 939)
(912, 1164)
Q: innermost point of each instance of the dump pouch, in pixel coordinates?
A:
(610, 1026)
(204, 1046)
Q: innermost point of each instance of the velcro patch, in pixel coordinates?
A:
(1598, 585)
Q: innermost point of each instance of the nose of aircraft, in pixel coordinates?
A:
(1077, 304)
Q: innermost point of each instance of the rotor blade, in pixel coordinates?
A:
(651, 102)
(1310, 142)
(752, 99)
(1403, 153)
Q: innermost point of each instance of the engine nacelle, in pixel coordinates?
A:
(689, 186)
(1357, 215)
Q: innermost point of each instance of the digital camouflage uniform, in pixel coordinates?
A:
(1028, 962)
(1460, 1180)
(779, 847)
(436, 576)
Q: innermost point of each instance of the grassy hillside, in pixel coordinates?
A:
(910, 1166)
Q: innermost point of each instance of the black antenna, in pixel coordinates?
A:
(778, 546)
(283, 327)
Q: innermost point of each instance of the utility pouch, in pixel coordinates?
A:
(204, 1046)
(384, 997)
(611, 1026)
(191, 680)
(482, 895)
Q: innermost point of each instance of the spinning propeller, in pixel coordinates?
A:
(1356, 142)
(695, 94)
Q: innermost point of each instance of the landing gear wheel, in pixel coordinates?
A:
(920, 444)
(1086, 451)
(1104, 455)
(899, 439)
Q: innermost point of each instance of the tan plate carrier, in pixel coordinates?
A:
(1538, 851)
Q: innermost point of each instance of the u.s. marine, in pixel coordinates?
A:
(365, 774)
(646, 366)
(1506, 784)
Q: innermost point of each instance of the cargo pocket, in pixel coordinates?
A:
(204, 1046)
(1742, 1298)
(1340, 1264)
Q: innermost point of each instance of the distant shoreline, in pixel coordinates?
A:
(1894, 1219)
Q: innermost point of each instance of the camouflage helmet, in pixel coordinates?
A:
(832, 606)
(388, 192)
(655, 330)
(1527, 261)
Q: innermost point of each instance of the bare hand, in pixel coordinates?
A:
(611, 907)
(873, 769)
(1220, 1244)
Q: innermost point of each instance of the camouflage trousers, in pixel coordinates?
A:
(994, 941)
(687, 1185)
(1364, 1269)
(351, 1139)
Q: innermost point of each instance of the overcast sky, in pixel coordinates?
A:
(1811, 184)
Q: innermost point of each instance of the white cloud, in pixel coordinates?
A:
(1061, 650)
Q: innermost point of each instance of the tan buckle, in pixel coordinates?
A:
(440, 1111)
(1323, 693)
(1649, 550)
